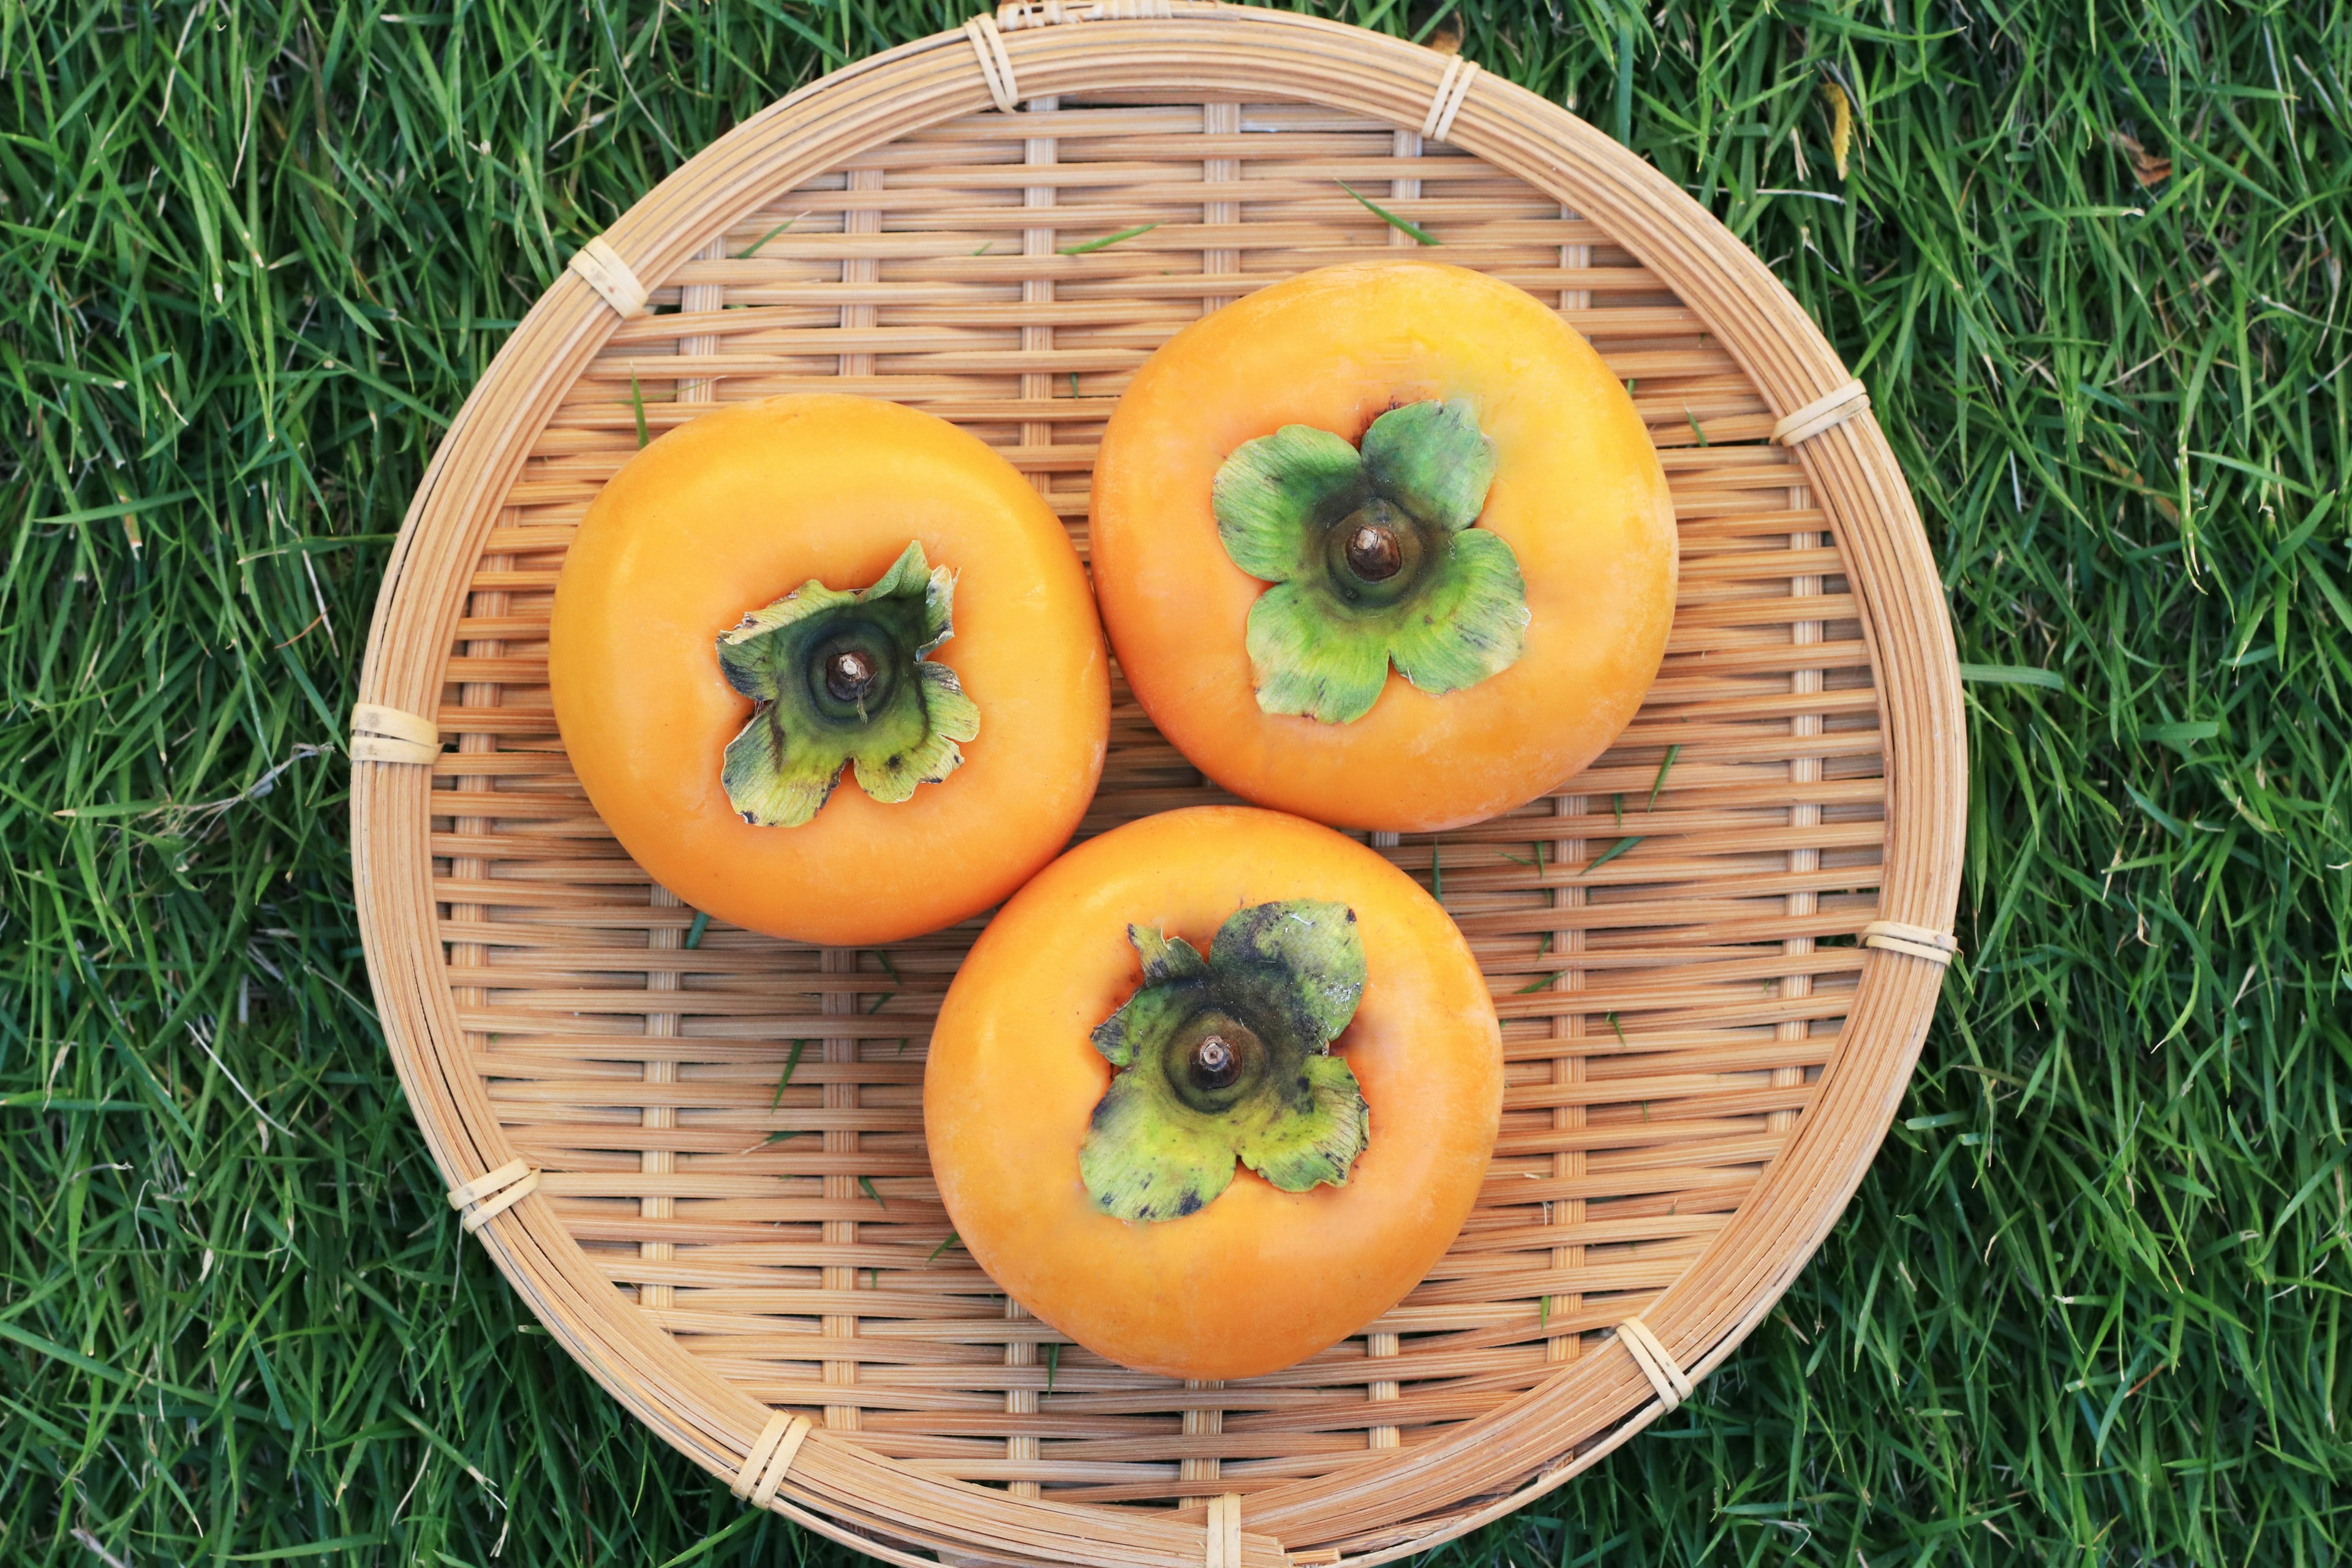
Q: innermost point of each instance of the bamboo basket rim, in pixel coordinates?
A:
(1478, 1468)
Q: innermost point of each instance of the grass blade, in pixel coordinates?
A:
(1087, 247)
(1420, 235)
(1611, 853)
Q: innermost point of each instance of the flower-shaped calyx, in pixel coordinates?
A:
(839, 679)
(1230, 1056)
(1373, 558)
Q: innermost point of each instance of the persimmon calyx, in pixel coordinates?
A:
(1373, 559)
(840, 681)
(1230, 1057)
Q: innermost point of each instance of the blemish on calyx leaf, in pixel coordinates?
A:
(1228, 1057)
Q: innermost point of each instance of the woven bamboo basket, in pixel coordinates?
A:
(1714, 952)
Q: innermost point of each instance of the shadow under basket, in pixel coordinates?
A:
(1714, 952)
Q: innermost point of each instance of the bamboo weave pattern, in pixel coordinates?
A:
(1683, 934)
(1672, 938)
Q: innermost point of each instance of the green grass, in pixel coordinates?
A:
(2090, 1303)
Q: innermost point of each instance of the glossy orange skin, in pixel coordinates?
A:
(731, 513)
(1259, 1277)
(1578, 494)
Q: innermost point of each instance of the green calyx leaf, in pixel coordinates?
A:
(839, 680)
(1431, 459)
(1229, 1057)
(1374, 560)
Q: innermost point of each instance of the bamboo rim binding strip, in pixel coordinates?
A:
(1453, 88)
(1938, 947)
(601, 266)
(382, 734)
(1018, 13)
(486, 1197)
(441, 840)
(771, 1458)
(1649, 1353)
(1223, 1544)
(1826, 411)
(995, 65)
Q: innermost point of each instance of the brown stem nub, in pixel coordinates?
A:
(849, 675)
(1374, 552)
(1214, 1064)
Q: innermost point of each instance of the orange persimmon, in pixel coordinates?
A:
(1384, 464)
(1214, 1091)
(783, 597)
